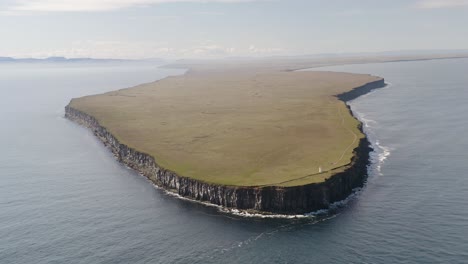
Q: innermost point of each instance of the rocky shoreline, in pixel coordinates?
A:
(263, 199)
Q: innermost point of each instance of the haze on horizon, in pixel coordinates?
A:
(227, 28)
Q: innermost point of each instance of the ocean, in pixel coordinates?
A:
(65, 199)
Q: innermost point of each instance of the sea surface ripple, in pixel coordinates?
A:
(65, 199)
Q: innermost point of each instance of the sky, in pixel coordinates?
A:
(137, 29)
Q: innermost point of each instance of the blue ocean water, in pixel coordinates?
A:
(65, 199)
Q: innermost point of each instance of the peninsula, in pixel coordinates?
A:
(270, 141)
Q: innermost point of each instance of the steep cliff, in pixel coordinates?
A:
(268, 199)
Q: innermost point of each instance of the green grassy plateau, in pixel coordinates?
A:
(245, 128)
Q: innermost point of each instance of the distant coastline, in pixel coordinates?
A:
(333, 59)
(76, 60)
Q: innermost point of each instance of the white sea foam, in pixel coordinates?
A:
(319, 215)
(383, 153)
(368, 123)
(231, 211)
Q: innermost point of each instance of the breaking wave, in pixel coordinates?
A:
(317, 216)
(382, 154)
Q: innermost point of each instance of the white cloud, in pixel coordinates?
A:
(432, 4)
(97, 5)
(263, 51)
(109, 49)
(209, 50)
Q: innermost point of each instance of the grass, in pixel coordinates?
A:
(242, 128)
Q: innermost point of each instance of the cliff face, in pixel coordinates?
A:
(361, 90)
(271, 199)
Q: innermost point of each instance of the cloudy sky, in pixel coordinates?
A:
(222, 28)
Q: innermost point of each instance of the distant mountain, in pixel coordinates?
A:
(74, 60)
(6, 59)
(395, 53)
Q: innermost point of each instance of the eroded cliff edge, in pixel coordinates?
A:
(267, 199)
